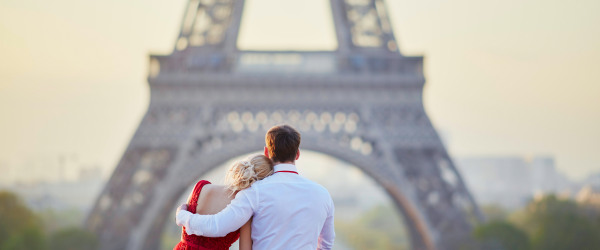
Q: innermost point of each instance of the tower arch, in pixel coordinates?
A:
(361, 103)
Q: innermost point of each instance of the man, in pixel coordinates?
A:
(288, 211)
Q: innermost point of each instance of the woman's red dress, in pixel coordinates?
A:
(195, 242)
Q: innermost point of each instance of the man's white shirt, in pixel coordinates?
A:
(288, 212)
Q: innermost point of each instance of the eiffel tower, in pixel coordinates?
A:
(210, 102)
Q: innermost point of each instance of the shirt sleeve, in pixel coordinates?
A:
(327, 235)
(234, 216)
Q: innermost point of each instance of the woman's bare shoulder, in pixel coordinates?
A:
(212, 188)
(213, 198)
(206, 192)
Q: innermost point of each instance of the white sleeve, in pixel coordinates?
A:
(234, 216)
(327, 236)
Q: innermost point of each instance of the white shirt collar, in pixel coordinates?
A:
(285, 167)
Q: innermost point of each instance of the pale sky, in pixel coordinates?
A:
(508, 77)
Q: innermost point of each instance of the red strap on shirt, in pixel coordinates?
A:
(285, 171)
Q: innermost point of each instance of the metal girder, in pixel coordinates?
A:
(211, 102)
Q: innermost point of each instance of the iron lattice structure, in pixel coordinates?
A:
(210, 102)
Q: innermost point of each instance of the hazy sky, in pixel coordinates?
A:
(508, 77)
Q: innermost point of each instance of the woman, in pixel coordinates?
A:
(207, 198)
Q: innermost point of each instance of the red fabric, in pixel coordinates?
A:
(195, 242)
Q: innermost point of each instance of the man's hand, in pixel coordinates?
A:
(182, 207)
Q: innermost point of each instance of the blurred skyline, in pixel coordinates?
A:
(503, 77)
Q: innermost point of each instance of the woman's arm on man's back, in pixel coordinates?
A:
(245, 242)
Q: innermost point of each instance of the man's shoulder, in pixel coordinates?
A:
(316, 185)
(320, 193)
(271, 180)
(317, 190)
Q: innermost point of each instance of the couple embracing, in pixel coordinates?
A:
(265, 203)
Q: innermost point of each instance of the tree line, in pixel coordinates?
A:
(549, 223)
(23, 229)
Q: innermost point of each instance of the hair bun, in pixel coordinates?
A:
(243, 173)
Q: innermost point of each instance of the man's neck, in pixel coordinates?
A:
(287, 162)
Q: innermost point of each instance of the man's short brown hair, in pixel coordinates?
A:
(282, 142)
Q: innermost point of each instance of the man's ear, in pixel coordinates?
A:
(297, 154)
(267, 152)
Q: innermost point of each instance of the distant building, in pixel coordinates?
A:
(512, 181)
(593, 180)
(66, 194)
(589, 195)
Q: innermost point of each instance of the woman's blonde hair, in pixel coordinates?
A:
(243, 173)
